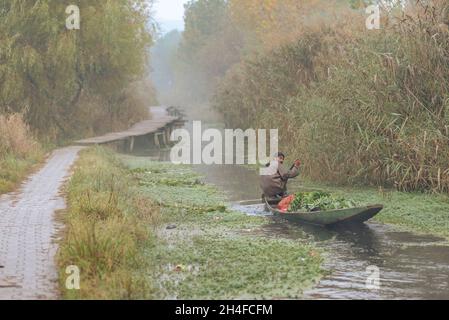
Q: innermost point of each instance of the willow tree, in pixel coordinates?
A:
(46, 70)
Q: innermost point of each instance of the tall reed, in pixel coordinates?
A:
(367, 108)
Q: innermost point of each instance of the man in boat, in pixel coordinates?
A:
(274, 182)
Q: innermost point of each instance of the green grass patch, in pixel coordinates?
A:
(107, 230)
(13, 169)
(19, 151)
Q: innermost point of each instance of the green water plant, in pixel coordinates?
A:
(319, 201)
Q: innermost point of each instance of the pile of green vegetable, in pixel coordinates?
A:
(319, 201)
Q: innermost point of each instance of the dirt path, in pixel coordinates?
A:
(28, 230)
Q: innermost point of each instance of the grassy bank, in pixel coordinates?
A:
(107, 227)
(205, 251)
(19, 152)
(14, 169)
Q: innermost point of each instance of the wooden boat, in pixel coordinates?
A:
(326, 218)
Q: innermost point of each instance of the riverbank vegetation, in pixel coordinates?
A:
(359, 107)
(19, 152)
(108, 225)
(142, 229)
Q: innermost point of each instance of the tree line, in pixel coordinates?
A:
(71, 83)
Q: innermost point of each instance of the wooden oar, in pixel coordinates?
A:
(250, 202)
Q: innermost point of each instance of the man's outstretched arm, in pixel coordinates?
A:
(290, 174)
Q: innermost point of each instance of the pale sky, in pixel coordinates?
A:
(169, 10)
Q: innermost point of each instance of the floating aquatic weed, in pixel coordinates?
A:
(319, 201)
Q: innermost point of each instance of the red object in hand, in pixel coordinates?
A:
(285, 203)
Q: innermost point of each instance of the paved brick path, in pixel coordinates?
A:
(28, 231)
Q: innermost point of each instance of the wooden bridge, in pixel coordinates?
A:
(156, 130)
